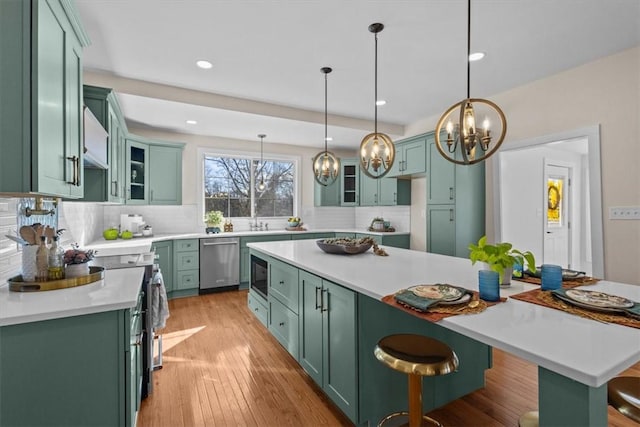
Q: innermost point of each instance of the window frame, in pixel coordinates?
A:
(252, 156)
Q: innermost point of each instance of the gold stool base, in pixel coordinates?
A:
(391, 421)
(529, 419)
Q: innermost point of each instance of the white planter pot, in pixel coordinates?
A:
(76, 270)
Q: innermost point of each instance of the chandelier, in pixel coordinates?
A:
(475, 144)
(326, 165)
(377, 151)
(261, 185)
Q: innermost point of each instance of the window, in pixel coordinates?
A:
(230, 186)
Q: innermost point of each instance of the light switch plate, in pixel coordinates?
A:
(624, 212)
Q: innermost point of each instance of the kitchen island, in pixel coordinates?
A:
(576, 356)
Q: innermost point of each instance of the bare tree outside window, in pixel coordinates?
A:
(227, 186)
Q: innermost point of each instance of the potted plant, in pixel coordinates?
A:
(501, 258)
(213, 220)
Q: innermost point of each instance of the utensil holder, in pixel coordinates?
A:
(29, 268)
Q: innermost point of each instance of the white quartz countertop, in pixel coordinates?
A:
(581, 349)
(118, 290)
(143, 244)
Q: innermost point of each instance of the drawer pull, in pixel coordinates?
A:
(322, 306)
(281, 323)
(255, 309)
(281, 282)
(317, 305)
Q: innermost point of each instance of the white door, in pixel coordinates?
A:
(557, 206)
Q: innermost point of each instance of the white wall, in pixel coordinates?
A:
(605, 92)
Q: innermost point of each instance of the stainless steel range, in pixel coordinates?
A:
(146, 260)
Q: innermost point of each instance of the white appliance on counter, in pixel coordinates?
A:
(132, 222)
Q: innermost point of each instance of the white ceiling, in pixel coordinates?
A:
(267, 57)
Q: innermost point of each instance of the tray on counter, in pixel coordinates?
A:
(17, 284)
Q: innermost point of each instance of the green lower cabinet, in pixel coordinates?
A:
(395, 240)
(283, 324)
(340, 234)
(245, 257)
(258, 306)
(441, 229)
(78, 370)
(328, 340)
(164, 259)
(186, 267)
(383, 390)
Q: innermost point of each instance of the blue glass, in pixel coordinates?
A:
(489, 285)
(551, 276)
(517, 270)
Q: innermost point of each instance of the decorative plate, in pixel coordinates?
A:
(438, 291)
(332, 248)
(598, 299)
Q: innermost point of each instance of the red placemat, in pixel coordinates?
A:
(544, 298)
(437, 313)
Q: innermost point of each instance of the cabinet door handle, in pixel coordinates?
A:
(395, 197)
(114, 188)
(450, 193)
(317, 305)
(75, 162)
(151, 195)
(450, 214)
(323, 307)
(375, 198)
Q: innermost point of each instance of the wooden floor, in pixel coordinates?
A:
(222, 368)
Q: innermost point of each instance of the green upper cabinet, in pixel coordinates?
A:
(326, 195)
(384, 191)
(41, 98)
(410, 157)
(106, 185)
(349, 182)
(153, 172)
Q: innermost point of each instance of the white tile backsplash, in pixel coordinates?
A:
(398, 216)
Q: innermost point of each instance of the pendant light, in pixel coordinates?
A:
(261, 185)
(475, 145)
(326, 166)
(377, 151)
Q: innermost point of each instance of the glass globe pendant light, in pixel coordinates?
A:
(326, 166)
(475, 145)
(377, 151)
(261, 185)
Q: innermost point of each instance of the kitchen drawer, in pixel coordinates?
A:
(189, 279)
(187, 260)
(283, 284)
(283, 324)
(186, 245)
(258, 307)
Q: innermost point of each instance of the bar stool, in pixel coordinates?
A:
(416, 356)
(623, 393)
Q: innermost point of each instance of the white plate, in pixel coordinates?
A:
(598, 299)
(438, 291)
(465, 298)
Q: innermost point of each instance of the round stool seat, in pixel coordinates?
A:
(624, 395)
(416, 354)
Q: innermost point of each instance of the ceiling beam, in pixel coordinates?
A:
(212, 100)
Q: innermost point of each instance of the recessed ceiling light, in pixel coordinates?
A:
(380, 102)
(192, 122)
(476, 56)
(204, 64)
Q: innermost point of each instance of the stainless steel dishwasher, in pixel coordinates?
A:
(219, 263)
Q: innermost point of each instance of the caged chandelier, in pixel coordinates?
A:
(326, 165)
(475, 144)
(377, 151)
